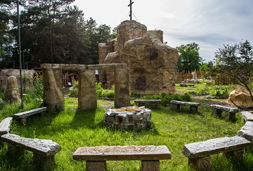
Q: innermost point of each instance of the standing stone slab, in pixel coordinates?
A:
(214, 146)
(53, 93)
(96, 165)
(122, 91)
(200, 164)
(5, 126)
(149, 165)
(11, 92)
(247, 131)
(87, 99)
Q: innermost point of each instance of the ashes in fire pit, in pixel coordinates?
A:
(128, 118)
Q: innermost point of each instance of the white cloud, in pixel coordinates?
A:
(210, 23)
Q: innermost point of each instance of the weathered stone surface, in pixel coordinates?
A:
(247, 115)
(184, 103)
(40, 146)
(11, 93)
(53, 93)
(213, 146)
(122, 92)
(226, 108)
(5, 126)
(148, 102)
(200, 164)
(147, 165)
(128, 118)
(151, 63)
(122, 153)
(96, 165)
(87, 98)
(240, 97)
(27, 74)
(247, 131)
(29, 113)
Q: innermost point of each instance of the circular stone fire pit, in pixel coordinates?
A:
(128, 118)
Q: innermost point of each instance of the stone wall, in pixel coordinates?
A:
(151, 63)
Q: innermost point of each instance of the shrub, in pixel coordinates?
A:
(219, 92)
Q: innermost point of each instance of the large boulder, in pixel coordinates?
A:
(240, 97)
(11, 93)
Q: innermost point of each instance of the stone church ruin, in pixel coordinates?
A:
(151, 63)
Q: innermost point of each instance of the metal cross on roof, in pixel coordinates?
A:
(131, 9)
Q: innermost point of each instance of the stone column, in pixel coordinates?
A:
(53, 93)
(87, 98)
(122, 98)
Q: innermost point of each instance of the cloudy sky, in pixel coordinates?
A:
(210, 23)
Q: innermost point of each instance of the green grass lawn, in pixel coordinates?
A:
(72, 129)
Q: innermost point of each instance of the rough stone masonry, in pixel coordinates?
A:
(151, 63)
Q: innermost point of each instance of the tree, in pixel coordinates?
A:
(237, 61)
(208, 68)
(189, 59)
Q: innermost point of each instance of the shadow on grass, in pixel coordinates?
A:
(84, 119)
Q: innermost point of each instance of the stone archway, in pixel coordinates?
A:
(87, 100)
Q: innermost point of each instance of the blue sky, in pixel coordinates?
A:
(210, 23)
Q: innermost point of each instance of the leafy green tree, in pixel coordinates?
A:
(236, 61)
(189, 59)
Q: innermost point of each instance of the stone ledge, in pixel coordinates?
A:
(184, 103)
(29, 113)
(122, 153)
(247, 131)
(5, 126)
(247, 116)
(226, 108)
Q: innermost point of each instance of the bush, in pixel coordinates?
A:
(219, 92)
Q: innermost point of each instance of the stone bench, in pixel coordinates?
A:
(23, 115)
(96, 157)
(43, 150)
(231, 111)
(247, 116)
(5, 126)
(193, 105)
(199, 152)
(247, 131)
(153, 103)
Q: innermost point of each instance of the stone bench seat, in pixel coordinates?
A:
(231, 111)
(96, 157)
(247, 116)
(148, 102)
(23, 115)
(43, 150)
(5, 126)
(247, 131)
(199, 152)
(193, 105)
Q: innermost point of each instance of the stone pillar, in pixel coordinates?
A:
(53, 93)
(96, 165)
(150, 165)
(87, 98)
(11, 93)
(122, 98)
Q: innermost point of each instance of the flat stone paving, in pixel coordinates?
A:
(5, 125)
(41, 146)
(247, 131)
(213, 146)
(122, 153)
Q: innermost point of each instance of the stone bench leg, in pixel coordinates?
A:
(235, 156)
(193, 109)
(44, 163)
(176, 106)
(200, 164)
(217, 112)
(152, 165)
(14, 152)
(230, 117)
(96, 165)
(23, 121)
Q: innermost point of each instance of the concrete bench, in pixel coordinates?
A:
(5, 126)
(43, 150)
(153, 103)
(193, 106)
(199, 152)
(23, 115)
(247, 131)
(247, 116)
(230, 111)
(96, 157)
